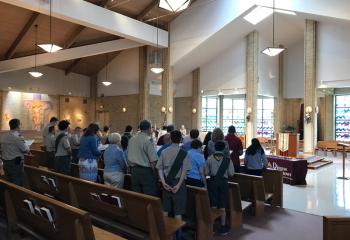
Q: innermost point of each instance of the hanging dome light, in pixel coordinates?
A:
(50, 47)
(174, 5)
(35, 73)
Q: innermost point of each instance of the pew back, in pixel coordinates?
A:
(336, 228)
(40, 156)
(251, 187)
(67, 222)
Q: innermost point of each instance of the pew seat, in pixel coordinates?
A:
(132, 214)
(46, 218)
(336, 228)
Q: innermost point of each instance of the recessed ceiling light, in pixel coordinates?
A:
(258, 14)
(106, 83)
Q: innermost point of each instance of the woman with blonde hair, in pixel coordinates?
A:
(216, 136)
(115, 162)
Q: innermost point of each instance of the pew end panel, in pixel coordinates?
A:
(336, 228)
(273, 181)
(236, 206)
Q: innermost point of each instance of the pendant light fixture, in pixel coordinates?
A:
(174, 5)
(157, 68)
(50, 47)
(273, 51)
(106, 82)
(35, 73)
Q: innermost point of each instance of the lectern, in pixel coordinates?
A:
(287, 144)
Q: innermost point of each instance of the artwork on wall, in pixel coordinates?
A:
(37, 104)
(33, 109)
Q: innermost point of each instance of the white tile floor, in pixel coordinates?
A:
(324, 195)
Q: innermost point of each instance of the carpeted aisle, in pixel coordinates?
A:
(278, 224)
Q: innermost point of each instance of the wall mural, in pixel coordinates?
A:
(33, 109)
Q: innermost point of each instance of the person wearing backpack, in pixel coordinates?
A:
(219, 167)
(173, 166)
(63, 149)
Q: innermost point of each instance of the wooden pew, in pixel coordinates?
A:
(273, 182)
(67, 222)
(137, 216)
(199, 212)
(336, 228)
(236, 206)
(252, 190)
(31, 160)
(40, 157)
(328, 145)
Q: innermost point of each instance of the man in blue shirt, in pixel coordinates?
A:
(196, 176)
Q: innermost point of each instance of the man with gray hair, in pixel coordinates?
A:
(142, 158)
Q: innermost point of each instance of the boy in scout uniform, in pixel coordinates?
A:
(13, 148)
(142, 158)
(63, 149)
(219, 168)
(172, 167)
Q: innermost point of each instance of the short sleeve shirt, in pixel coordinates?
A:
(141, 151)
(63, 146)
(167, 159)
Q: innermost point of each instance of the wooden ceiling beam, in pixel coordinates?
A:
(73, 37)
(72, 66)
(147, 9)
(11, 51)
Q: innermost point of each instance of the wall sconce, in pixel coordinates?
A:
(194, 110)
(124, 109)
(163, 109)
(170, 109)
(317, 110)
(101, 106)
(308, 109)
(249, 111)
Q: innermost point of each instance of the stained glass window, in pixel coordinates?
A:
(209, 113)
(265, 117)
(342, 118)
(234, 114)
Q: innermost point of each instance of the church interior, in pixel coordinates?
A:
(274, 71)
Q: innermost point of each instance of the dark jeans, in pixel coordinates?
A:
(62, 164)
(194, 182)
(50, 156)
(75, 158)
(14, 171)
(144, 180)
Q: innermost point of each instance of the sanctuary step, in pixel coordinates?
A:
(315, 162)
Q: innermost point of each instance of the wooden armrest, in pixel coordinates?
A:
(101, 234)
(215, 213)
(245, 204)
(172, 225)
(268, 196)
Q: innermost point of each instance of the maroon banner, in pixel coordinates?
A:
(294, 170)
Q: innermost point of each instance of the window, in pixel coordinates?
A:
(342, 118)
(209, 113)
(265, 124)
(234, 114)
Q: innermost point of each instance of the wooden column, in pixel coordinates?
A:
(252, 83)
(196, 100)
(93, 97)
(167, 86)
(279, 104)
(144, 112)
(310, 95)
